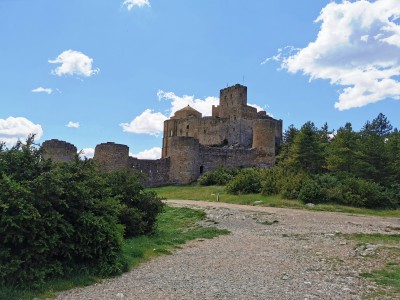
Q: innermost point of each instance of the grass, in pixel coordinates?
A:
(209, 193)
(389, 275)
(175, 227)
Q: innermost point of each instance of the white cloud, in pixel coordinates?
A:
(74, 63)
(42, 90)
(357, 48)
(177, 103)
(14, 129)
(153, 153)
(86, 152)
(73, 124)
(139, 3)
(148, 122)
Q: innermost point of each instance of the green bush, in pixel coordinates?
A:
(269, 180)
(310, 192)
(220, 176)
(289, 186)
(246, 182)
(141, 205)
(56, 219)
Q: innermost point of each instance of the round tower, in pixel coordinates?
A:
(58, 151)
(112, 157)
(185, 160)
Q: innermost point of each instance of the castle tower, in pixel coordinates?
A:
(185, 159)
(111, 157)
(232, 101)
(171, 126)
(264, 132)
(58, 151)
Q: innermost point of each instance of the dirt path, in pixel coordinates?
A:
(271, 253)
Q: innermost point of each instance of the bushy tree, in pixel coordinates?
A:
(246, 182)
(59, 218)
(306, 153)
(221, 176)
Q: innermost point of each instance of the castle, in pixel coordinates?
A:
(236, 135)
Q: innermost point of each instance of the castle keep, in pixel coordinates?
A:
(236, 135)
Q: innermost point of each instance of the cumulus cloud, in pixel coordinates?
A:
(42, 90)
(139, 3)
(357, 48)
(74, 63)
(148, 122)
(153, 153)
(177, 102)
(86, 152)
(73, 124)
(13, 129)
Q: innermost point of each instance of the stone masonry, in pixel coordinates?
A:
(236, 135)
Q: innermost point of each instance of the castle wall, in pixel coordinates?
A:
(212, 158)
(156, 172)
(58, 151)
(111, 157)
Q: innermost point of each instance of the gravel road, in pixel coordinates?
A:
(271, 253)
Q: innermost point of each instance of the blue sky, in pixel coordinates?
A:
(90, 71)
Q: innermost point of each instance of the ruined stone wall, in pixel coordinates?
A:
(111, 157)
(155, 172)
(58, 151)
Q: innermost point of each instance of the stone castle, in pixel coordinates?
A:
(236, 135)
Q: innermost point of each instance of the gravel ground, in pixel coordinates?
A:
(271, 253)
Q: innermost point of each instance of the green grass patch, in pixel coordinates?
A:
(176, 226)
(209, 193)
(390, 274)
(375, 238)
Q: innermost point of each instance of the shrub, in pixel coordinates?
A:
(220, 176)
(269, 185)
(61, 218)
(310, 192)
(290, 186)
(246, 182)
(141, 205)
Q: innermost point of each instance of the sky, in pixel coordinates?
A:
(89, 72)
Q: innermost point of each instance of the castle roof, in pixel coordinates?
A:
(186, 112)
(188, 108)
